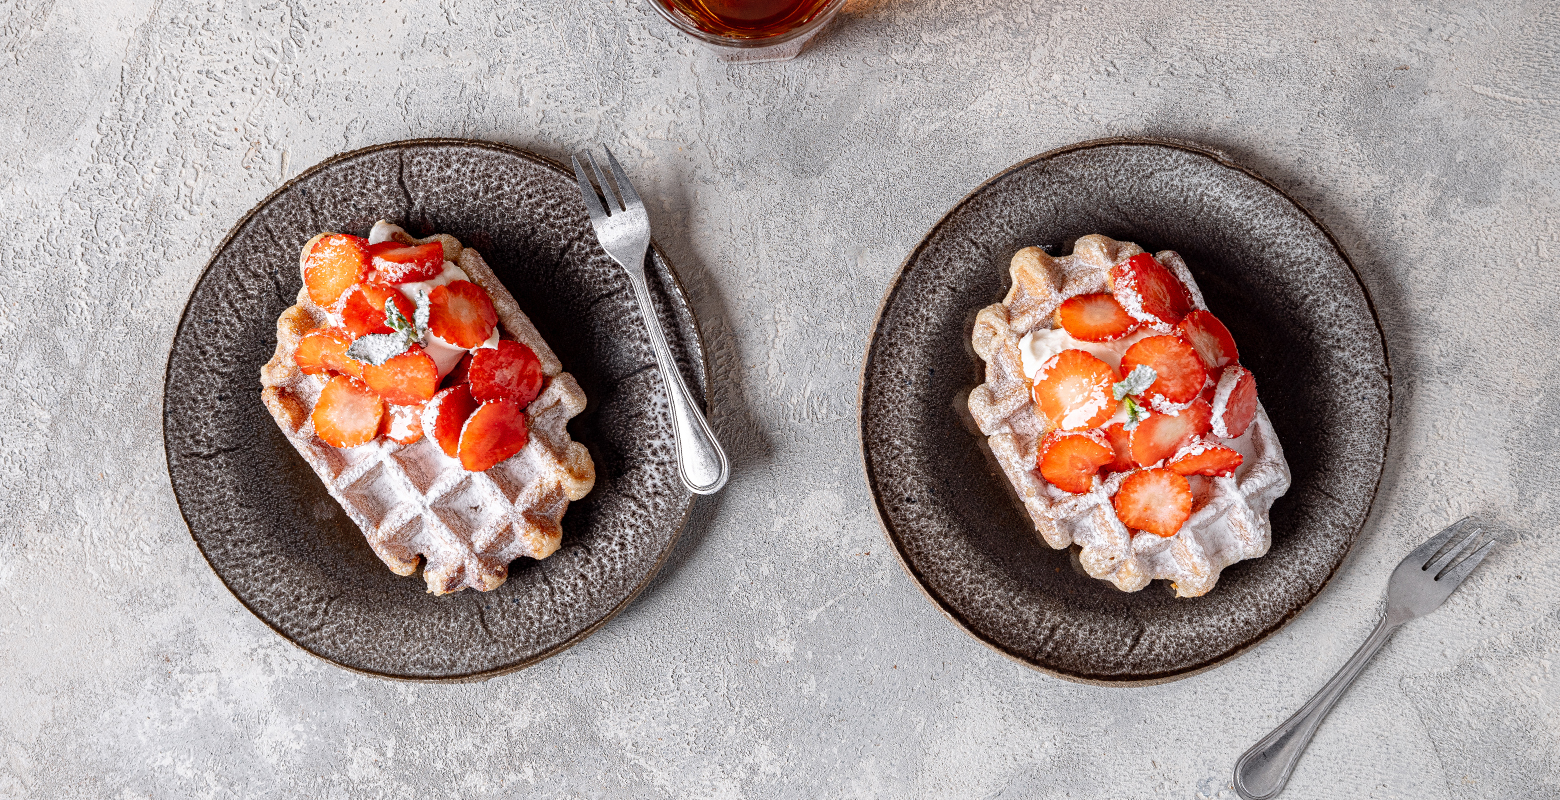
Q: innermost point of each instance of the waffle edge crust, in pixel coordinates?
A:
(1229, 519)
(414, 501)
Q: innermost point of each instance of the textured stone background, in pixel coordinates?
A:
(783, 652)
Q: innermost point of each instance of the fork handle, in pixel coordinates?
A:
(1263, 770)
(701, 463)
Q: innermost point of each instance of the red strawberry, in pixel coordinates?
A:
(1163, 435)
(1180, 370)
(462, 373)
(334, 264)
(407, 379)
(363, 307)
(1208, 336)
(347, 413)
(446, 414)
(1069, 459)
(461, 313)
(1094, 318)
(494, 432)
(509, 371)
(1203, 457)
(1234, 402)
(325, 350)
(402, 424)
(1121, 448)
(1073, 390)
(1154, 500)
(395, 263)
(1150, 293)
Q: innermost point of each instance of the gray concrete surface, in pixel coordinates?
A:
(783, 653)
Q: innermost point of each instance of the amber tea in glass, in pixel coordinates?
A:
(749, 19)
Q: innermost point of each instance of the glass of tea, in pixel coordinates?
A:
(750, 30)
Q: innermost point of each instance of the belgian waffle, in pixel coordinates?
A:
(1229, 520)
(413, 500)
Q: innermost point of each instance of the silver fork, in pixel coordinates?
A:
(1418, 586)
(623, 228)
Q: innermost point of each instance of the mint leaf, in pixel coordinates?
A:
(1135, 412)
(377, 348)
(1136, 382)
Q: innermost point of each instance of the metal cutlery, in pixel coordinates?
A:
(1419, 585)
(623, 228)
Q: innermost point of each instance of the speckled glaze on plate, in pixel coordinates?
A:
(263, 519)
(1304, 325)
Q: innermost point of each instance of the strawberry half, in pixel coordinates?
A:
(446, 414)
(325, 350)
(1163, 435)
(1208, 336)
(461, 313)
(1203, 457)
(1179, 369)
(407, 379)
(402, 424)
(494, 432)
(334, 264)
(1149, 292)
(1154, 500)
(395, 263)
(1234, 402)
(1094, 318)
(347, 413)
(1073, 390)
(363, 307)
(1121, 448)
(1069, 459)
(508, 371)
(462, 373)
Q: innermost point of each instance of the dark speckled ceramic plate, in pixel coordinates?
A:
(263, 519)
(1304, 325)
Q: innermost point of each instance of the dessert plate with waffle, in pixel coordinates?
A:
(410, 417)
(1124, 411)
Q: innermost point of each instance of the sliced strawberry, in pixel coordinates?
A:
(1073, 390)
(1121, 448)
(1150, 293)
(494, 432)
(1234, 402)
(509, 371)
(1179, 369)
(446, 413)
(1069, 459)
(407, 379)
(402, 424)
(1208, 336)
(395, 263)
(461, 313)
(1154, 500)
(325, 350)
(1094, 318)
(347, 413)
(334, 264)
(1163, 435)
(363, 307)
(462, 373)
(1203, 457)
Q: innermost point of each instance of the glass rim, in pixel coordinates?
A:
(685, 25)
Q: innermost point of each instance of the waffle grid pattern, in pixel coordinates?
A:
(1229, 520)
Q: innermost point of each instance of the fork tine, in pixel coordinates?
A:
(592, 202)
(606, 188)
(1422, 554)
(1455, 575)
(625, 187)
(1462, 543)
